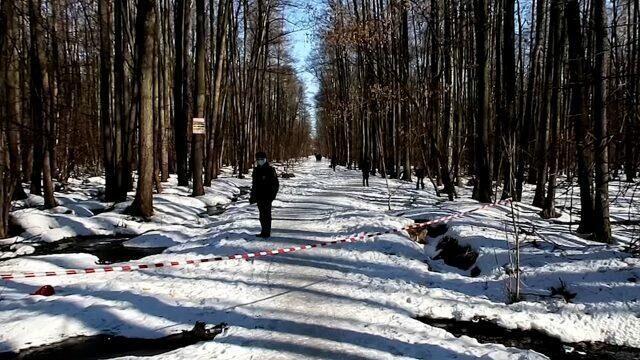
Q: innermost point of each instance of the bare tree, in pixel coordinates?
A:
(578, 114)
(106, 120)
(602, 226)
(199, 106)
(11, 67)
(144, 72)
(555, 58)
(7, 179)
(41, 113)
(179, 88)
(482, 189)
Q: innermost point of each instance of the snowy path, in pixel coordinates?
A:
(353, 301)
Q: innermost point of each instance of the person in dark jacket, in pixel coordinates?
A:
(365, 167)
(264, 189)
(334, 162)
(420, 173)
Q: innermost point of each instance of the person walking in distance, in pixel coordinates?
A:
(420, 173)
(264, 188)
(365, 167)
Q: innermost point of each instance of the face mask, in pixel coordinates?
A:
(261, 162)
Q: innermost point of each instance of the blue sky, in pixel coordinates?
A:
(300, 16)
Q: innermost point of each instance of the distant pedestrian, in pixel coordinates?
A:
(365, 167)
(333, 162)
(420, 173)
(318, 157)
(264, 189)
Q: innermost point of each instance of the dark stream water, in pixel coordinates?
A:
(488, 332)
(109, 346)
(109, 250)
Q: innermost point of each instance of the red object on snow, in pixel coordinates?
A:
(46, 290)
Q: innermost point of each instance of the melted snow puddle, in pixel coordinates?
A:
(109, 346)
(487, 332)
(109, 250)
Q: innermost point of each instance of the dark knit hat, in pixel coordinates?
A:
(261, 155)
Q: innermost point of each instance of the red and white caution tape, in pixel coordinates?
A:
(245, 256)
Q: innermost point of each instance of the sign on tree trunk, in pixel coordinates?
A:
(198, 126)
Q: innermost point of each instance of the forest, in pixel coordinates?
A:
(236, 179)
(502, 93)
(111, 88)
(508, 92)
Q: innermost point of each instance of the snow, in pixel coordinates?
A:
(167, 237)
(22, 249)
(80, 214)
(352, 301)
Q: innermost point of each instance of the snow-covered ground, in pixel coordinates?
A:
(80, 214)
(352, 301)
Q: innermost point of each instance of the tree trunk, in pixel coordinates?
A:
(528, 118)
(122, 144)
(199, 106)
(223, 57)
(7, 179)
(482, 191)
(9, 52)
(578, 114)
(542, 141)
(128, 109)
(556, 53)
(106, 123)
(180, 120)
(509, 97)
(602, 224)
(41, 110)
(145, 35)
(166, 97)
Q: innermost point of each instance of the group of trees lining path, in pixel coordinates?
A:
(112, 86)
(507, 91)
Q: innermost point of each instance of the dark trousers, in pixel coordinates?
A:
(365, 179)
(420, 181)
(265, 217)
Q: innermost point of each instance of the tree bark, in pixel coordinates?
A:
(41, 110)
(12, 94)
(556, 53)
(602, 225)
(7, 179)
(578, 114)
(482, 191)
(179, 120)
(145, 35)
(509, 97)
(215, 125)
(106, 122)
(528, 118)
(199, 106)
